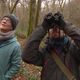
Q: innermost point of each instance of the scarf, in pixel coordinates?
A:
(7, 35)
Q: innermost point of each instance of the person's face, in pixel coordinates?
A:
(5, 24)
(56, 33)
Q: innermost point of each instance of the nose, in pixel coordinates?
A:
(4, 21)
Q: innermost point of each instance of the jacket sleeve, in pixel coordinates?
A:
(15, 63)
(31, 53)
(74, 32)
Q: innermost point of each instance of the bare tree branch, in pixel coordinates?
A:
(14, 6)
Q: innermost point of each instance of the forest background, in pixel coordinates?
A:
(30, 14)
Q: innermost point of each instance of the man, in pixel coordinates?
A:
(10, 52)
(58, 42)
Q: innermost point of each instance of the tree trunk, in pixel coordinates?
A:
(38, 9)
(14, 6)
(31, 16)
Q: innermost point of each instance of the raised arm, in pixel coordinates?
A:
(31, 53)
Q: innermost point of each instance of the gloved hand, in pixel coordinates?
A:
(59, 20)
(48, 21)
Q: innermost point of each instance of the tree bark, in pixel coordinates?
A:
(31, 16)
(38, 9)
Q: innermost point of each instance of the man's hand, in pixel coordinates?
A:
(48, 21)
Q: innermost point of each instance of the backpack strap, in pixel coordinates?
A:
(63, 68)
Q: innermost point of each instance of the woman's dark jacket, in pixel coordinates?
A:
(34, 54)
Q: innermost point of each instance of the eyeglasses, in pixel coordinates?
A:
(6, 19)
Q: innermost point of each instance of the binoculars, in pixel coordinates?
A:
(56, 17)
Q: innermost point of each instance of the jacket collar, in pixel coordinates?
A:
(6, 42)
